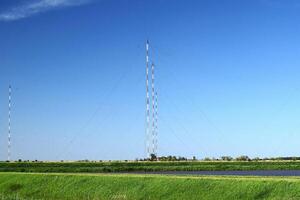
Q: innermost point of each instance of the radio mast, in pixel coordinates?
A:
(9, 124)
(151, 130)
(147, 102)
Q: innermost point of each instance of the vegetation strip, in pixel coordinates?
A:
(100, 167)
(123, 186)
(256, 178)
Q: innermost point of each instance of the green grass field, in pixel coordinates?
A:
(92, 167)
(91, 186)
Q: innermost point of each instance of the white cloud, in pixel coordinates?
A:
(37, 6)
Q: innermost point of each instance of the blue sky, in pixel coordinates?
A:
(227, 77)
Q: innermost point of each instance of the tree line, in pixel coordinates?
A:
(153, 157)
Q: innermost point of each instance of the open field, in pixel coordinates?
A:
(91, 186)
(92, 167)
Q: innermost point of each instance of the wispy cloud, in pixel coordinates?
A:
(37, 6)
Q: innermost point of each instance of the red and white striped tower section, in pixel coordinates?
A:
(147, 102)
(156, 124)
(9, 124)
(153, 111)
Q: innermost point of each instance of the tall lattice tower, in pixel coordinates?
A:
(147, 103)
(156, 124)
(9, 124)
(151, 111)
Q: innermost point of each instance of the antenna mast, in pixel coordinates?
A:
(9, 125)
(147, 102)
(151, 131)
(153, 110)
(156, 124)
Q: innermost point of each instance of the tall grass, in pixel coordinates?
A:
(107, 187)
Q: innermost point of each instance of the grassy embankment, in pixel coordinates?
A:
(91, 167)
(88, 186)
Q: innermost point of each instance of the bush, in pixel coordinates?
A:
(243, 158)
(226, 158)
